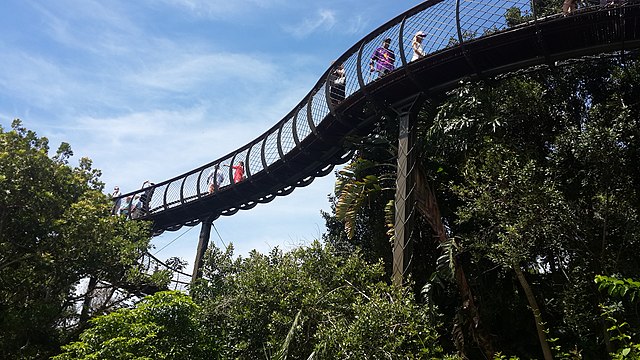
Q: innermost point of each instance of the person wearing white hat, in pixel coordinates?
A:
(569, 6)
(416, 44)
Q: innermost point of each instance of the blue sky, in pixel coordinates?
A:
(150, 89)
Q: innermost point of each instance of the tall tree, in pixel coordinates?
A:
(55, 232)
(539, 176)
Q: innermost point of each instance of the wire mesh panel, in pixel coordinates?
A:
(255, 159)
(302, 124)
(437, 23)
(479, 17)
(378, 58)
(351, 74)
(319, 107)
(156, 200)
(286, 136)
(212, 178)
(208, 179)
(270, 147)
(190, 188)
(225, 180)
(173, 193)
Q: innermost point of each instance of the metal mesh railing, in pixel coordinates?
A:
(445, 24)
(287, 142)
(478, 17)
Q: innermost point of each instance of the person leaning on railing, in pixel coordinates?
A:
(145, 198)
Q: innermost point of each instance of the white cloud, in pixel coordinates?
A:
(323, 20)
(183, 72)
(33, 78)
(87, 25)
(356, 25)
(221, 8)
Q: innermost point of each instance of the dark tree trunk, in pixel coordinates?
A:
(542, 336)
(428, 207)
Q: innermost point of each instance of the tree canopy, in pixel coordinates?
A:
(55, 232)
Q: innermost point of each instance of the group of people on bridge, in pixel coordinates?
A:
(132, 206)
(137, 205)
(382, 62)
(383, 59)
(215, 178)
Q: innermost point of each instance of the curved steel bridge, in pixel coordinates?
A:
(465, 40)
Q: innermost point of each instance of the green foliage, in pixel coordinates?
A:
(308, 301)
(540, 170)
(363, 208)
(519, 208)
(355, 184)
(162, 326)
(619, 288)
(55, 230)
(513, 16)
(385, 323)
(620, 334)
(620, 331)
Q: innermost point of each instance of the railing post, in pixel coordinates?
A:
(462, 45)
(407, 111)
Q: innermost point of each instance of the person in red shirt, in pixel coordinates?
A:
(238, 174)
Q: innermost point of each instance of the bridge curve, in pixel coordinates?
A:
(465, 40)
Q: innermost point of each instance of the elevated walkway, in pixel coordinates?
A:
(465, 40)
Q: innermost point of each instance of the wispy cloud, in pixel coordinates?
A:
(183, 71)
(356, 25)
(220, 8)
(323, 20)
(32, 78)
(90, 26)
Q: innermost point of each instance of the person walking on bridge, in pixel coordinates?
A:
(569, 6)
(337, 82)
(215, 179)
(416, 45)
(238, 174)
(115, 210)
(383, 59)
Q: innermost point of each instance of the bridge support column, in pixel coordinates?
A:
(203, 244)
(407, 112)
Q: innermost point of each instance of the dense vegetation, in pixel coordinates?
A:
(56, 236)
(537, 185)
(533, 180)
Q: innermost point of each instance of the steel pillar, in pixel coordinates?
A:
(407, 112)
(203, 244)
